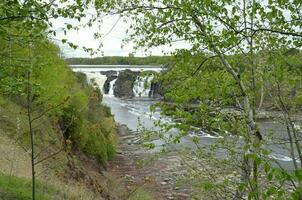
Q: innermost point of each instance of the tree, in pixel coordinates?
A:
(24, 26)
(218, 29)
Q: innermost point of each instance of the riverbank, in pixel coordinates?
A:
(137, 169)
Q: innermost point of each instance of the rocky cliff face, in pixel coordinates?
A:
(156, 90)
(124, 84)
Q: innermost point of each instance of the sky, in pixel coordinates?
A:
(115, 31)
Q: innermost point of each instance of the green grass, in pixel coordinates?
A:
(141, 194)
(14, 188)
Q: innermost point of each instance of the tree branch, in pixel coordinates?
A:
(276, 31)
(201, 64)
(49, 156)
(47, 110)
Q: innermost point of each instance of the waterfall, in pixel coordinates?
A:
(111, 89)
(96, 79)
(142, 86)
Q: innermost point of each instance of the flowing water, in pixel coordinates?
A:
(111, 89)
(135, 113)
(96, 78)
(142, 86)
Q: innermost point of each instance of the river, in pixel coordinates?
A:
(135, 112)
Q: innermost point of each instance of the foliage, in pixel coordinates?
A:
(88, 123)
(207, 101)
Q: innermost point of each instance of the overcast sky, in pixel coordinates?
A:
(115, 31)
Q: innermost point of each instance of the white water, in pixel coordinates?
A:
(282, 158)
(111, 89)
(202, 134)
(142, 86)
(96, 78)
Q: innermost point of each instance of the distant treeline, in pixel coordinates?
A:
(120, 60)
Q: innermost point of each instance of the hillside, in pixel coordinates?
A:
(120, 60)
(69, 124)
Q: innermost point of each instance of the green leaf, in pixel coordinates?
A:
(69, 26)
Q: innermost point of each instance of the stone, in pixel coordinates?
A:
(156, 90)
(124, 84)
(129, 177)
(163, 183)
(167, 179)
(109, 73)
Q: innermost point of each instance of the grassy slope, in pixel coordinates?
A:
(20, 188)
(89, 121)
(15, 174)
(15, 169)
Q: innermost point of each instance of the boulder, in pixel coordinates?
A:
(155, 90)
(124, 84)
(109, 73)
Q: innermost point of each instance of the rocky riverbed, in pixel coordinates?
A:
(137, 168)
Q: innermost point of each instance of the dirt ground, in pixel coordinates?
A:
(135, 169)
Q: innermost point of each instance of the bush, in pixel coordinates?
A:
(89, 124)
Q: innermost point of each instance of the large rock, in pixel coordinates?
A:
(109, 73)
(124, 84)
(156, 90)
